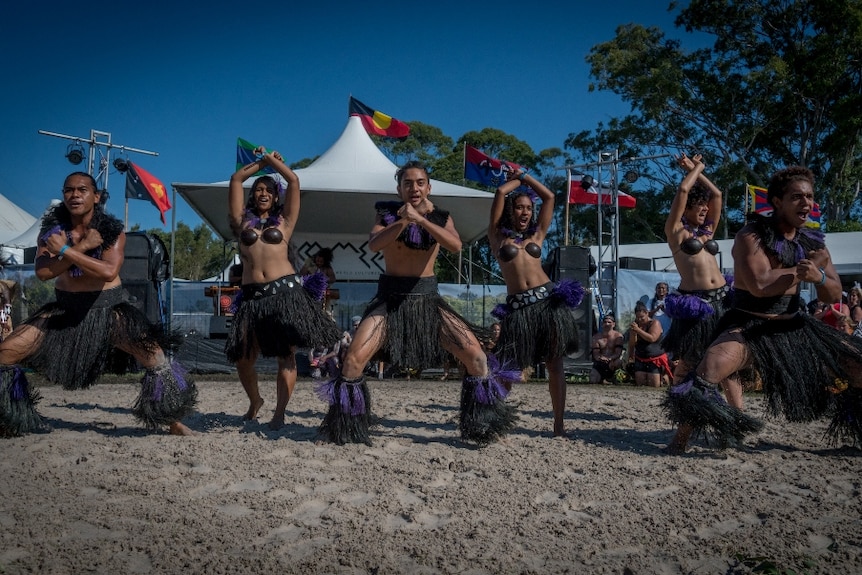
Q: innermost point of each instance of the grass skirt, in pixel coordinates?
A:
(17, 403)
(695, 318)
(80, 331)
(543, 328)
(413, 331)
(167, 395)
(278, 315)
(806, 368)
(349, 418)
(485, 416)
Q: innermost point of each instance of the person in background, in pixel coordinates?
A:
(91, 325)
(606, 351)
(275, 312)
(410, 324)
(537, 322)
(321, 262)
(644, 350)
(836, 315)
(854, 302)
(657, 305)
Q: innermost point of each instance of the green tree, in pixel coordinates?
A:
(198, 253)
(780, 84)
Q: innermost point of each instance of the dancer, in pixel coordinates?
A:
(91, 325)
(538, 323)
(808, 369)
(274, 313)
(411, 325)
(698, 303)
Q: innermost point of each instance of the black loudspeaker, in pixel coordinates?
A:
(583, 313)
(136, 263)
(220, 326)
(145, 296)
(632, 263)
(146, 258)
(573, 258)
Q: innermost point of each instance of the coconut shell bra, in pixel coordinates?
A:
(270, 236)
(693, 246)
(509, 252)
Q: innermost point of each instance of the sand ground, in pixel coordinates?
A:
(100, 495)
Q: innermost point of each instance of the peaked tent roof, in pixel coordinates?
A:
(13, 220)
(339, 190)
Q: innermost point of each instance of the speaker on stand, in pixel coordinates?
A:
(576, 263)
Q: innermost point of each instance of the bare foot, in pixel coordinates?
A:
(679, 443)
(276, 423)
(178, 428)
(253, 408)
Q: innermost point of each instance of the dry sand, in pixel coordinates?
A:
(100, 495)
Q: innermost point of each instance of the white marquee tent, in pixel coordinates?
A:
(339, 190)
(14, 225)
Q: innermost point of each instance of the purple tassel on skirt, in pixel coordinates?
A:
(570, 291)
(500, 311)
(18, 401)
(167, 395)
(485, 415)
(315, 284)
(684, 306)
(237, 301)
(349, 418)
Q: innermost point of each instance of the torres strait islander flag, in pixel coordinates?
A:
(245, 155)
(484, 169)
(378, 123)
(142, 185)
(579, 195)
(757, 203)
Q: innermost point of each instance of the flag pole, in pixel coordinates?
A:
(568, 197)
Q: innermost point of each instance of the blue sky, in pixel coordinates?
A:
(185, 79)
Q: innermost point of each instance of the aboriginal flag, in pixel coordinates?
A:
(378, 123)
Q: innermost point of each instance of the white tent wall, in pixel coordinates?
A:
(13, 220)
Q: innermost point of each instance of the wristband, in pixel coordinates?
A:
(822, 277)
(521, 176)
(62, 251)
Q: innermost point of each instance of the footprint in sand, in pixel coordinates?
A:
(309, 512)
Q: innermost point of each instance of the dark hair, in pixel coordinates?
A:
(326, 254)
(411, 164)
(641, 306)
(698, 194)
(103, 195)
(782, 178)
(273, 186)
(509, 209)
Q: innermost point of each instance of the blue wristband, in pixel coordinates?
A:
(822, 277)
(62, 251)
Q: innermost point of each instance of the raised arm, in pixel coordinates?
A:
(694, 167)
(236, 193)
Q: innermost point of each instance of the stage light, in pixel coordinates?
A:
(587, 182)
(75, 153)
(631, 176)
(121, 164)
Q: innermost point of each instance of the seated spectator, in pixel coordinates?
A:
(644, 350)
